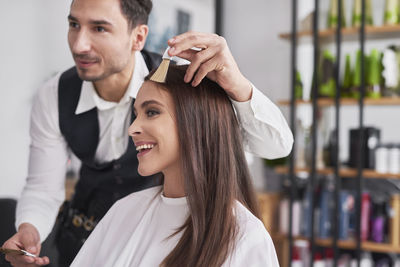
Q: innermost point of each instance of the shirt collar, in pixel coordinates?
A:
(89, 98)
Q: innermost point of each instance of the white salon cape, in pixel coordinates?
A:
(136, 231)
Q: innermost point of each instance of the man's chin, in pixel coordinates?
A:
(85, 76)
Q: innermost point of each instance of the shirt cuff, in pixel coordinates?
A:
(256, 107)
(264, 126)
(40, 226)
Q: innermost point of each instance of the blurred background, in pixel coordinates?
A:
(34, 47)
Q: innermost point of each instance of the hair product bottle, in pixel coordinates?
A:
(378, 222)
(391, 16)
(356, 20)
(366, 259)
(365, 215)
(333, 16)
(374, 75)
(318, 261)
(348, 78)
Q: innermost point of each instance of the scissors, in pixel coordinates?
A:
(16, 252)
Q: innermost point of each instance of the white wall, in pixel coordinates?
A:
(33, 47)
(251, 29)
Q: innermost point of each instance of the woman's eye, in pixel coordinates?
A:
(151, 113)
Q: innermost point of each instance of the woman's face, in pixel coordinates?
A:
(155, 132)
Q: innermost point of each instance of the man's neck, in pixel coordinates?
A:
(114, 87)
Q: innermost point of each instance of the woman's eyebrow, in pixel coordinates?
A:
(150, 102)
(147, 103)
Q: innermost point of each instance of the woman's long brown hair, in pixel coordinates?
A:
(214, 169)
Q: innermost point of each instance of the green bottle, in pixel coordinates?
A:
(356, 20)
(348, 77)
(298, 88)
(333, 15)
(398, 14)
(327, 79)
(392, 14)
(374, 75)
(355, 89)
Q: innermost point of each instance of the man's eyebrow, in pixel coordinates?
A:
(100, 22)
(70, 17)
(149, 102)
(94, 22)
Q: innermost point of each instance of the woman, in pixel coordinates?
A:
(205, 213)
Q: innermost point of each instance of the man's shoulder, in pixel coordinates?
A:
(52, 82)
(49, 86)
(151, 59)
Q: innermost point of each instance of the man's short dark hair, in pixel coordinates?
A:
(136, 11)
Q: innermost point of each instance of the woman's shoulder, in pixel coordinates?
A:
(254, 246)
(252, 231)
(248, 220)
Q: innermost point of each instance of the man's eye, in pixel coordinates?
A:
(151, 113)
(100, 29)
(73, 24)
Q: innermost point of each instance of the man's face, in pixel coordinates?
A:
(99, 39)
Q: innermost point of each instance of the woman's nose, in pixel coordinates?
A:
(134, 129)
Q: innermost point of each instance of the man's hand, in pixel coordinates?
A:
(215, 61)
(26, 238)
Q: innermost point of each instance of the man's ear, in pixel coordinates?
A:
(139, 35)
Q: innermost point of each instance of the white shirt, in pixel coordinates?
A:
(135, 232)
(264, 129)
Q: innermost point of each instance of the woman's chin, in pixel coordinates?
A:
(145, 172)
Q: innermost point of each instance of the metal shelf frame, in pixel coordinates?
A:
(313, 171)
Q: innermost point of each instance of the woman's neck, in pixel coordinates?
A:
(174, 185)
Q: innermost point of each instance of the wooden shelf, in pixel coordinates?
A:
(344, 172)
(326, 102)
(346, 244)
(371, 31)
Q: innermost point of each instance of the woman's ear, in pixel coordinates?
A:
(139, 35)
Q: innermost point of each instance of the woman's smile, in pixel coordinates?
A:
(144, 147)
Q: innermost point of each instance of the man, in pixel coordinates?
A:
(87, 110)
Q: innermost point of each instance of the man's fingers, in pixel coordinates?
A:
(197, 60)
(42, 261)
(204, 69)
(188, 40)
(30, 242)
(187, 54)
(19, 260)
(28, 259)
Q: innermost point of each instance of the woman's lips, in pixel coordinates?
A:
(143, 152)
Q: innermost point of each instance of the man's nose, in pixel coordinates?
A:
(82, 42)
